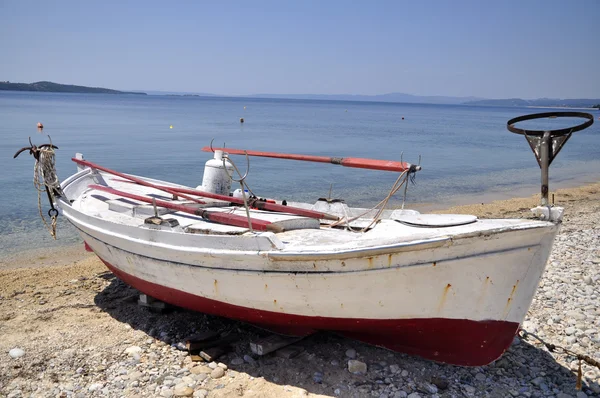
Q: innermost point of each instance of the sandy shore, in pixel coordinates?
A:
(83, 333)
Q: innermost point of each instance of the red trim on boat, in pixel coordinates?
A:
(456, 341)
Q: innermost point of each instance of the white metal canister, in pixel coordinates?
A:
(215, 178)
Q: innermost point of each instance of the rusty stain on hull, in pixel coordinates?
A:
(443, 298)
(216, 286)
(390, 260)
(484, 290)
(370, 260)
(510, 299)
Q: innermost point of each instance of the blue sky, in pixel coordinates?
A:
(497, 49)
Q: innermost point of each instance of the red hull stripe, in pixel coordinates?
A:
(456, 341)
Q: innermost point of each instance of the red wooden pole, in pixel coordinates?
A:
(220, 218)
(131, 178)
(257, 204)
(214, 216)
(360, 163)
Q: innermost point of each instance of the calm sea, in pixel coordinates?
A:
(466, 152)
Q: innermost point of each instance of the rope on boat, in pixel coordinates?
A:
(45, 179)
(380, 207)
(524, 334)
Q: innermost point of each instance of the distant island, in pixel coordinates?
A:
(443, 100)
(50, 87)
(390, 97)
(540, 102)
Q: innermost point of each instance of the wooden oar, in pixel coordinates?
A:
(360, 163)
(131, 178)
(236, 220)
(256, 203)
(214, 216)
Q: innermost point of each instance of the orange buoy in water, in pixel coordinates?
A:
(40, 125)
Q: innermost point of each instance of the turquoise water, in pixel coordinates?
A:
(465, 151)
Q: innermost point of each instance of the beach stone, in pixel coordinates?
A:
(16, 353)
(469, 390)
(357, 367)
(318, 377)
(351, 353)
(581, 394)
(394, 368)
(202, 393)
(95, 387)
(237, 361)
(212, 365)
(199, 369)
(166, 392)
(428, 388)
(188, 380)
(180, 346)
(537, 381)
(249, 359)
(217, 373)
(182, 390)
(222, 365)
(570, 330)
(133, 350)
(440, 383)
(135, 375)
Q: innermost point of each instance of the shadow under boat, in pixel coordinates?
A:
(321, 366)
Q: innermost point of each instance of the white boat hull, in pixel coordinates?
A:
(456, 298)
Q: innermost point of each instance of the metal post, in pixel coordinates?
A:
(545, 148)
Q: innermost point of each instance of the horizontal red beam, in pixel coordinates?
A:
(257, 204)
(360, 163)
(227, 219)
(214, 216)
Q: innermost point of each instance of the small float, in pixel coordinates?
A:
(451, 288)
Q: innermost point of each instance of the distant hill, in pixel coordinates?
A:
(51, 87)
(542, 102)
(391, 97)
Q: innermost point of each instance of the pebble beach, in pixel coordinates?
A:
(69, 328)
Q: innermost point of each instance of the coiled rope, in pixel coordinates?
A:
(45, 179)
(380, 207)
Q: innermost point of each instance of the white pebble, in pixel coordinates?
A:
(16, 353)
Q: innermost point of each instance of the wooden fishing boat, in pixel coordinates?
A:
(451, 288)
